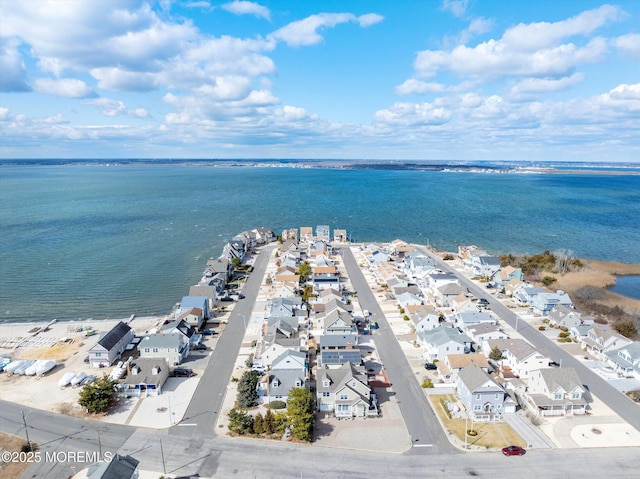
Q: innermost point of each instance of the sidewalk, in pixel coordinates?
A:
(535, 439)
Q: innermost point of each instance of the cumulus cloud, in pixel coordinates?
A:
(65, 87)
(305, 32)
(239, 7)
(529, 87)
(457, 7)
(529, 50)
(628, 44)
(13, 77)
(403, 114)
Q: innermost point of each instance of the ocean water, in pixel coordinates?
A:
(81, 241)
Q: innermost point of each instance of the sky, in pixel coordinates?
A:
(360, 79)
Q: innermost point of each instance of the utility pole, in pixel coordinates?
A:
(26, 431)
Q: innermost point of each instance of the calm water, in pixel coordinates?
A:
(82, 241)
(627, 286)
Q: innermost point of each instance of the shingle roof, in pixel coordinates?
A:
(565, 378)
(116, 333)
(474, 377)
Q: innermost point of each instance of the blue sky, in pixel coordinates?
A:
(411, 79)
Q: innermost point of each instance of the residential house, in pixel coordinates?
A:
(345, 391)
(509, 273)
(145, 377)
(334, 342)
(463, 303)
(543, 303)
(437, 280)
(306, 233)
(185, 329)
(580, 332)
(377, 257)
(221, 266)
(483, 264)
(512, 286)
(340, 236)
(323, 232)
(194, 317)
(287, 274)
(400, 248)
(117, 467)
(264, 236)
(332, 358)
(281, 307)
(600, 341)
(288, 371)
(518, 355)
(482, 332)
(452, 364)
(290, 234)
(200, 302)
(424, 318)
(445, 294)
(110, 346)
(408, 299)
(625, 361)
(210, 288)
(273, 345)
(171, 347)
(482, 396)
(442, 341)
(568, 317)
(555, 392)
(525, 295)
(417, 265)
(338, 322)
(469, 318)
(325, 277)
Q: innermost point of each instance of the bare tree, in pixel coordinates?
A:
(564, 260)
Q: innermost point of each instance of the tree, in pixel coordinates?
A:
(236, 263)
(247, 394)
(304, 270)
(307, 293)
(269, 422)
(300, 408)
(626, 328)
(258, 424)
(99, 396)
(495, 354)
(240, 421)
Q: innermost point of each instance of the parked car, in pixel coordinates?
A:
(208, 332)
(483, 302)
(199, 347)
(182, 373)
(226, 298)
(374, 325)
(430, 366)
(241, 296)
(513, 451)
(86, 359)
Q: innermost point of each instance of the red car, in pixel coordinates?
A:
(513, 451)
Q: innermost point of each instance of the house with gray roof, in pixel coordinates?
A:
(276, 385)
(145, 377)
(337, 341)
(543, 303)
(518, 355)
(337, 322)
(470, 318)
(171, 347)
(447, 292)
(111, 345)
(483, 264)
(482, 332)
(626, 360)
(555, 392)
(188, 302)
(338, 357)
(566, 316)
(524, 295)
(601, 340)
(442, 341)
(482, 396)
(345, 391)
(417, 265)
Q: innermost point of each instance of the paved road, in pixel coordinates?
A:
(420, 419)
(619, 403)
(207, 400)
(222, 457)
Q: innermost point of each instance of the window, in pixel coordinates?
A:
(326, 394)
(477, 396)
(477, 407)
(575, 396)
(497, 396)
(557, 396)
(343, 407)
(344, 397)
(147, 350)
(98, 355)
(155, 350)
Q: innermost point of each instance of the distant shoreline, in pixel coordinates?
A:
(490, 167)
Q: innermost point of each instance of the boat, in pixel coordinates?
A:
(88, 380)
(117, 373)
(45, 367)
(31, 370)
(4, 362)
(66, 379)
(24, 366)
(78, 378)
(12, 366)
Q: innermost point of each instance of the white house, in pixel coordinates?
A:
(626, 360)
(442, 341)
(555, 392)
(518, 355)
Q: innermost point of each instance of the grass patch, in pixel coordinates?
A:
(495, 435)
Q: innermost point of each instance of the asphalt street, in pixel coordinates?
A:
(620, 404)
(424, 429)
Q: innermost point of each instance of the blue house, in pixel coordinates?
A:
(189, 302)
(481, 395)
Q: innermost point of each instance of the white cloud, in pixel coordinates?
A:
(239, 7)
(527, 87)
(112, 108)
(457, 7)
(65, 87)
(629, 44)
(4, 113)
(305, 32)
(117, 79)
(403, 114)
(412, 86)
(13, 77)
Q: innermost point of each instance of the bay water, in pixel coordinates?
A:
(108, 241)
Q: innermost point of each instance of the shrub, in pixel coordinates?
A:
(427, 384)
(626, 328)
(277, 404)
(563, 334)
(564, 328)
(548, 280)
(541, 328)
(240, 421)
(401, 310)
(406, 318)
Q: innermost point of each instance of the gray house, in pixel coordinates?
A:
(174, 347)
(110, 346)
(481, 395)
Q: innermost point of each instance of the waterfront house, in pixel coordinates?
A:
(340, 236)
(171, 347)
(323, 232)
(210, 288)
(400, 248)
(221, 266)
(543, 303)
(145, 377)
(625, 361)
(194, 317)
(306, 233)
(509, 273)
(442, 341)
(264, 236)
(525, 295)
(518, 355)
(110, 346)
(555, 392)
(600, 341)
(417, 265)
(185, 329)
(483, 264)
(189, 302)
(481, 395)
(345, 391)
